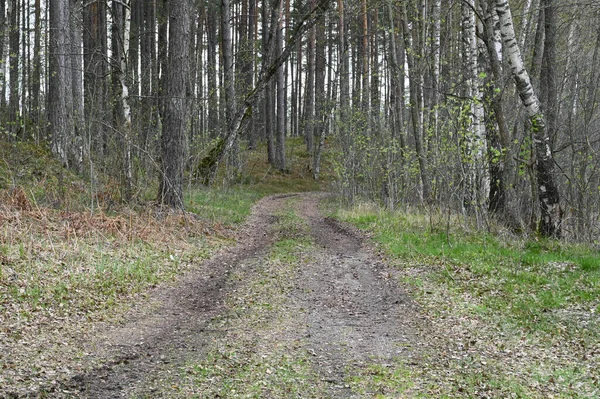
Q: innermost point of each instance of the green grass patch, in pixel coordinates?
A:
(380, 381)
(534, 301)
(525, 280)
(227, 206)
(262, 178)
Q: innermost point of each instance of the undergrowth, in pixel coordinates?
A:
(520, 315)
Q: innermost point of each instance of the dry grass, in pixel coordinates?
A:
(64, 272)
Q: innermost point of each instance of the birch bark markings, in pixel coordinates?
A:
(548, 196)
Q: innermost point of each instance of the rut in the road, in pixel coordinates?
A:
(356, 313)
(176, 327)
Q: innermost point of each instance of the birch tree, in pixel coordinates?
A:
(548, 195)
(477, 179)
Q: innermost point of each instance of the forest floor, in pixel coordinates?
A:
(101, 299)
(299, 307)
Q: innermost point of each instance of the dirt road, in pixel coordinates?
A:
(298, 308)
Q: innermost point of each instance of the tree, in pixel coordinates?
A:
(95, 54)
(548, 195)
(14, 52)
(320, 97)
(174, 140)
(415, 107)
(477, 179)
(59, 109)
(281, 109)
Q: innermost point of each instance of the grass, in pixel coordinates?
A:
(379, 381)
(529, 308)
(225, 206)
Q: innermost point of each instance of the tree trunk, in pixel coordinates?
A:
(435, 98)
(14, 52)
(95, 56)
(3, 32)
(548, 76)
(548, 194)
(119, 92)
(309, 93)
(500, 139)
(268, 93)
(213, 95)
(366, 54)
(415, 99)
(281, 109)
(37, 68)
(477, 178)
(59, 112)
(229, 79)
(320, 97)
(80, 144)
(173, 142)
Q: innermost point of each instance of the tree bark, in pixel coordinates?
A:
(14, 52)
(309, 92)
(320, 97)
(548, 76)
(80, 144)
(213, 95)
(499, 139)
(477, 179)
(229, 79)
(37, 66)
(95, 56)
(268, 92)
(3, 31)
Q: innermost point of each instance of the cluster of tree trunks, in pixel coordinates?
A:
(414, 95)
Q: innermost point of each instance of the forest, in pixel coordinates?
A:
(488, 108)
(299, 199)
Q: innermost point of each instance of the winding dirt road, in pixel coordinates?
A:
(353, 312)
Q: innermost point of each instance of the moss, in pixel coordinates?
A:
(207, 167)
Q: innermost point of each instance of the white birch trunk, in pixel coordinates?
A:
(547, 191)
(479, 177)
(436, 34)
(524, 22)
